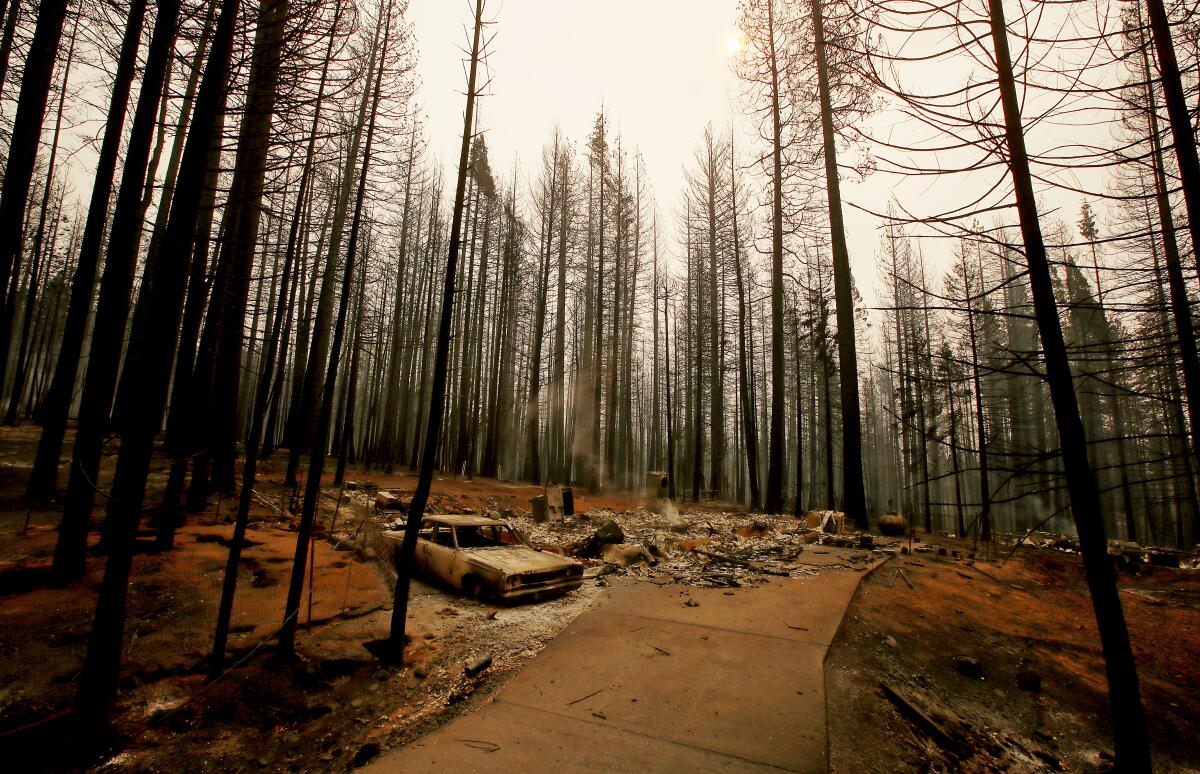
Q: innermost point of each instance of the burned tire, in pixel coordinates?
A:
(471, 587)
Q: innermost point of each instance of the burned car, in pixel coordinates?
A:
(487, 559)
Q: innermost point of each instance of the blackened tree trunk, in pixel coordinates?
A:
(294, 252)
(773, 502)
(23, 147)
(655, 452)
(533, 457)
(670, 408)
(749, 425)
(1131, 742)
(113, 308)
(345, 446)
(164, 200)
(6, 42)
(1181, 124)
(698, 378)
(182, 417)
(598, 475)
(560, 464)
(390, 444)
(43, 480)
(98, 681)
(960, 521)
(985, 490)
(220, 356)
(416, 508)
(39, 254)
(827, 374)
(306, 409)
(1180, 304)
(715, 350)
(854, 501)
(798, 505)
(316, 459)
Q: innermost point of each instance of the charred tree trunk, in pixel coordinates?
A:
(749, 426)
(316, 461)
(6, 42)
(560, 465)
(22, 153)
(181, 418)
(1129, 722)
(219, 363)
(716, 374)
(416, 508)
(43, 480)
(798, 505)
(773, 502)
(667, 385)
(390, 443)
(853, 495)
(306, 409)
(112, 310)
(346, 446)
(985, 491)
(533, 461)
(1182, 130)
(98, 681)
(39, 254)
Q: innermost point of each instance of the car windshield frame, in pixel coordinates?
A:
(475, 536)
(436, 532)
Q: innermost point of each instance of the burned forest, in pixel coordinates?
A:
(415, 385)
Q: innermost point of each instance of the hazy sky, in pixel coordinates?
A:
(660, 66)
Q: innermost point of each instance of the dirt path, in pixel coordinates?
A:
(662, 678)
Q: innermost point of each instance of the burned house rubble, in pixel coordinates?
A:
(716, 549)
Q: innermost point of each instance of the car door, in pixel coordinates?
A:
(459, 567)
(443, 555)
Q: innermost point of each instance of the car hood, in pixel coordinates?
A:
(513, 560)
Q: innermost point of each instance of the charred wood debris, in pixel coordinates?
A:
(719, 549)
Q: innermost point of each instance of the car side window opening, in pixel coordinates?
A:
(443, 536)
(477, 537)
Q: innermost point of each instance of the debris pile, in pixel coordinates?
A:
(386, 500)
(1127, 554)
(703, 548)
(724, 550)
(826, 521)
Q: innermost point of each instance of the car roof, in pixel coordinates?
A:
(463, 521)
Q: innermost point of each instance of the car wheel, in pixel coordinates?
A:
(480, 593)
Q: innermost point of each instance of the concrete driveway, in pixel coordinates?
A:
(645, 682)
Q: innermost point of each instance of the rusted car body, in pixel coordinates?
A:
(487, 559)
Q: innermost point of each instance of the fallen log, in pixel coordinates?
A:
(921, 714)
